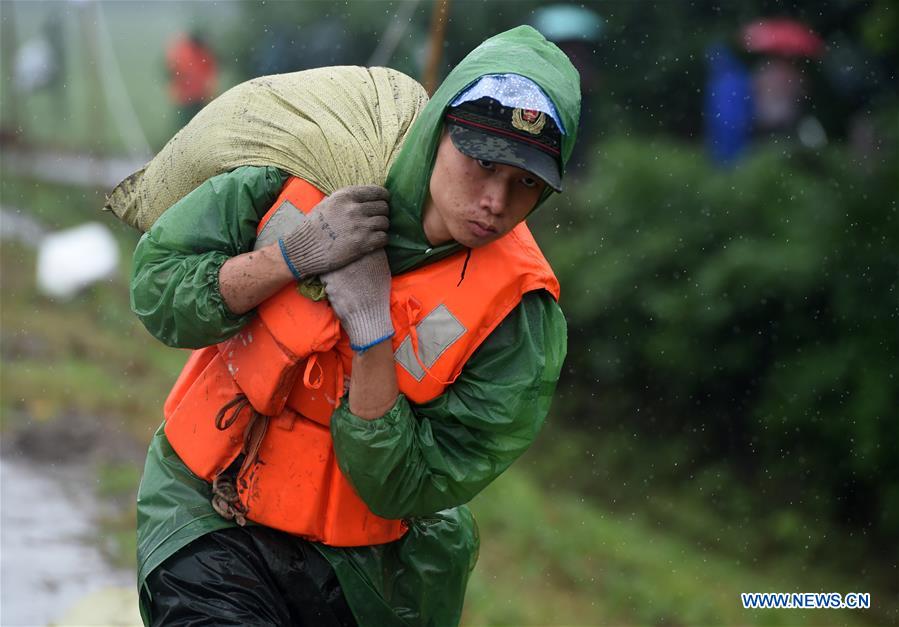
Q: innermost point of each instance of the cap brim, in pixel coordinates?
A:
(490, 147)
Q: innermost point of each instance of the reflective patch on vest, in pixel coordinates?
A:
(284, 220)
(436, 332)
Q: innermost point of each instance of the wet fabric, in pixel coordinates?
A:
(490, 415)
(248, 576)
(455, 446)
(435, 455)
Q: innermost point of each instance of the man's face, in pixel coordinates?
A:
(475, 202)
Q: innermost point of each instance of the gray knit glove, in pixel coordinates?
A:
(360, 296)
(344, 226)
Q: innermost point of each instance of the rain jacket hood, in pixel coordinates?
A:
(522, 51)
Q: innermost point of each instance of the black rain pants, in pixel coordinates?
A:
(247, 576)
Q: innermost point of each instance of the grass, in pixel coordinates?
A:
(555, 558)
(117, 482)
(90, 356)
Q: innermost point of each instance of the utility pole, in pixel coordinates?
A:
(96, 100)
(438, 33)
(9, 129)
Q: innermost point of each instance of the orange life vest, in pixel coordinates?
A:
(290, 364)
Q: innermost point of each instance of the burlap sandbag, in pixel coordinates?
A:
(333, 127)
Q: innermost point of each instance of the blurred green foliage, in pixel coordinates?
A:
(748, 315)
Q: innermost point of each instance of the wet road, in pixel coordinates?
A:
(50, 566)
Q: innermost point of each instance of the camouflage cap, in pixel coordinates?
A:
(525, 138)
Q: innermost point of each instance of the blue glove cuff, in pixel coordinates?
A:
(362, 349)
(293, 269)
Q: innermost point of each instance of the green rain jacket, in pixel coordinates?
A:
(421, 462)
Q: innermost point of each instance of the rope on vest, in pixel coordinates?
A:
(225, 498)
(312, 365)
(238, 404)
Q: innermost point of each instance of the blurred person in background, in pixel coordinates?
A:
(577, 31)
(778, 93)
(193, 74)
(779, 85)
(263, 500)
(728, 109)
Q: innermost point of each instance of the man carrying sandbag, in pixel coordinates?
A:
(317, 454)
